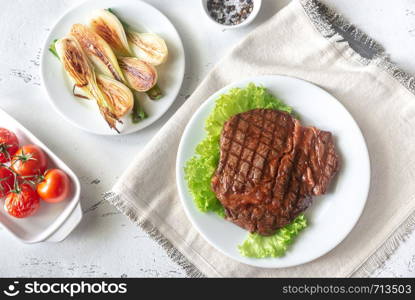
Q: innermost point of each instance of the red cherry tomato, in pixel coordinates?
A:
(8, 145)
(22, 203)
(6, 181)
(55, 186)
(29, 161)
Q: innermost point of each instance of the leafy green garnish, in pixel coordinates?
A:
(52, 48)
(198, 172)
(138, 112)
(200, 168)
(276, 245)
(155, 93)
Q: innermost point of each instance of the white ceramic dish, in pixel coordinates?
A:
(248, 20)
(332, 216)
(52, 222)
(84, 114)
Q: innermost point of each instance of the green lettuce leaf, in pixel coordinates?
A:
(200, 168)
(258, 246)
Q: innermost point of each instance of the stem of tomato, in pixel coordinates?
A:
(3, 149)
(16, 188)
(24, 157)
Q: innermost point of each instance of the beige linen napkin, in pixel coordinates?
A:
(304, 40)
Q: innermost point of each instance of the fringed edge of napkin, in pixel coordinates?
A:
(335, 27)
(171, 251)
(381, 255)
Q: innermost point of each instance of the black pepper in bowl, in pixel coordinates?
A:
(230, 12)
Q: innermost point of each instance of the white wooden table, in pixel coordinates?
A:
(106, 243)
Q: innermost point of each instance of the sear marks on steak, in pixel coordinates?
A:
(270, 166)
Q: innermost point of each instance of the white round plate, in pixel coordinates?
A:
(332, 216)
(84, 114)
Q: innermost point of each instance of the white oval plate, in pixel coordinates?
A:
(332, 216)
(52, 222)
(84, 114)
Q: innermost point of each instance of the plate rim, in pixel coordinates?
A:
(182, 187)
(45, 52)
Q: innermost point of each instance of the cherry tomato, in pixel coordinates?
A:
(22, 203)
(29, 161)
(55, 186)
(8, 145)
(6, 181)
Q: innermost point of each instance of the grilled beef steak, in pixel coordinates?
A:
(270, 166)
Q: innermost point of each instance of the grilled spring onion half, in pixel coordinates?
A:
(109, 27)
(146, 46)
(151, 49)
(140, 76)
(117, 94)
(79, 69)
(121, 98)
(98, 51)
